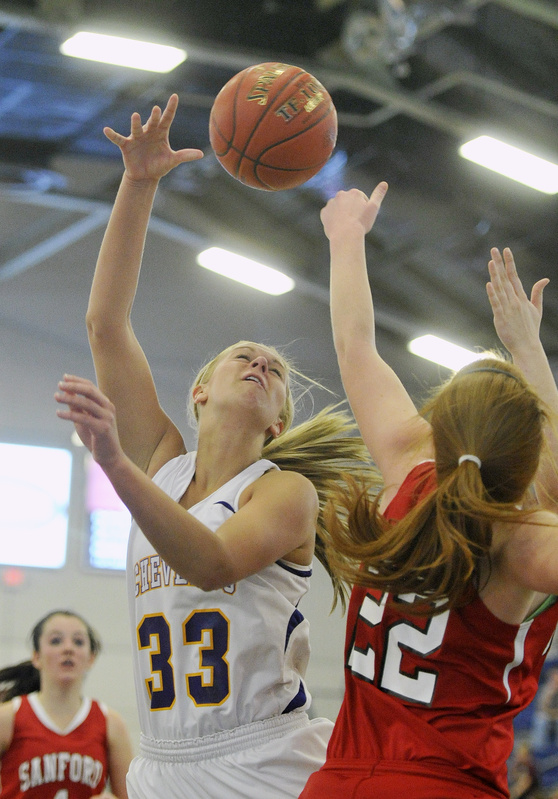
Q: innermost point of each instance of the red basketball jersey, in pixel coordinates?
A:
(42, 763)
(433, 696)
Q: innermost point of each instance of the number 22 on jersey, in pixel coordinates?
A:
(402, 636)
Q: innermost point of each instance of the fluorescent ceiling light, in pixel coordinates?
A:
(123, 52)
(443, 352)
(513, 163)
(242, 269)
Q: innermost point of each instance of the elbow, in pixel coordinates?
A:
(206, 584)
(97, 322)
(208, 587)
(102, 332)
(342, 342)
(96, 326)
(215, 579)
(350, 346)
(341, 348)
(90, 322)
(209, 584)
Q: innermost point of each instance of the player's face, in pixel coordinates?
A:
(255, 374)
(64, 649)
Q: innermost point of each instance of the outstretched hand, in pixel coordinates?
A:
(517, 318)
(93, 415)
(352, 206)
(146, 152)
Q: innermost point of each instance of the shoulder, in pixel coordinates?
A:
(286, 484)
(290, 494)
(523, 538)
(293, 499)
(527, 551)
(538, 525)
(7, 716)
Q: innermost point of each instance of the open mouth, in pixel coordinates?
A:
(254, 379)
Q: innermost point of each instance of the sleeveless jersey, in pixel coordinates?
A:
(435, 695)
(43, 762)
(208, 661)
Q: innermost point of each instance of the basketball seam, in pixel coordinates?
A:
(250, 165)
(294, 136)
(266, 109)
(257, 162)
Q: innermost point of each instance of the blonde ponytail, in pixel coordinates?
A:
(325, 449)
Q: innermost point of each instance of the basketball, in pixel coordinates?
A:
(273, 126)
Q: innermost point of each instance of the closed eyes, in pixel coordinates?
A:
(248, 358)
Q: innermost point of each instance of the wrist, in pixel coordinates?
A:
(351, 230)
(140, 184)
(118, 468)
(523, 351)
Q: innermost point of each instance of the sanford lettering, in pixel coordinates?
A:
(57, 767)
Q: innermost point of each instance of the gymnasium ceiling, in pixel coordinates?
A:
(410, 80)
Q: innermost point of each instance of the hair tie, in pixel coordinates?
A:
(469, 458)
(491, 369)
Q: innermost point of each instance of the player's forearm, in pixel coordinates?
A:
(531, 358)
(533, 362)
(185, 544)
(352, 310)
(119, 262)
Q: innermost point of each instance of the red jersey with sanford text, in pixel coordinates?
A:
(43, 762)
(438, 692)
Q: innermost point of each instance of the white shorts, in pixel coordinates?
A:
(271, 758)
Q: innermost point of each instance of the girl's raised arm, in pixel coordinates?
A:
(385, 413)
(517, 320)
(122, 369)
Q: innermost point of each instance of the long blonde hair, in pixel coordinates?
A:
(325, 449)
(487, 410)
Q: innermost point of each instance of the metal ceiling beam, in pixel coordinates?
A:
(307, 288)
(547, 13)
(393, 100)
(26, 20)
(444, 84)
(97, 215)
(53, 245)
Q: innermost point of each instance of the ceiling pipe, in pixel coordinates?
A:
(547, 13)
(395, 101)
(97, 214)
(446, 83)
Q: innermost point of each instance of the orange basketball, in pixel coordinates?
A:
(273, 126)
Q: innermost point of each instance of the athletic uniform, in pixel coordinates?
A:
(219, 674)
(429, 703)
(45, 762)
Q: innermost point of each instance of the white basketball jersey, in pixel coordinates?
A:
(207, 661)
